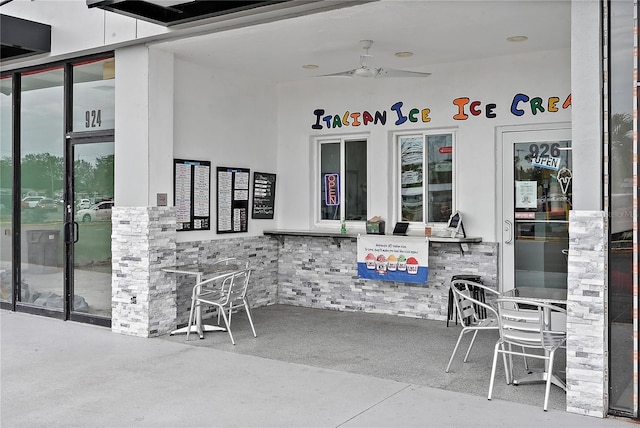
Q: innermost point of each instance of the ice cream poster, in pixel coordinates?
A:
(393, 259)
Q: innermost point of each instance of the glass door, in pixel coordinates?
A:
(537, 198)
(41, 169)
(90, 231)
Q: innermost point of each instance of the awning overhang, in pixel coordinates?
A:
(174, 12)
(20, 38)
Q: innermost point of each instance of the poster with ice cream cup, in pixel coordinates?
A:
(393, 258)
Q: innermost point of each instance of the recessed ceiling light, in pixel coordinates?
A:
(517, 38)
(310, 66)
(403, 54)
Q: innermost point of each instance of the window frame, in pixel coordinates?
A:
(397, 174)
(318, 142)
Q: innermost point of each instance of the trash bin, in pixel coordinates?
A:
(477, 294)
(43, 247)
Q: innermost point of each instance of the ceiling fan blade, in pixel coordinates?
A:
(349, 73)
(389, 72)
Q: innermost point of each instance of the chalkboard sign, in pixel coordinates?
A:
(191, 190)
(264, 195)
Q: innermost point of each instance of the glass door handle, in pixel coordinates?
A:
(69, 234)
(508, 228)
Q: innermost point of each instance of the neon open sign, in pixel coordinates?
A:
(332, 189)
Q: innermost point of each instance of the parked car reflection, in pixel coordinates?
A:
(30, 201)
(47, 204)
(84, 204)
(98, 212)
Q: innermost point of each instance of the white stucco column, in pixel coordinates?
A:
(587, 341)
(144, 125)
(586, 109)
(143, 236)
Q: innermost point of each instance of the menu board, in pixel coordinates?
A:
(191, 194)
(233, 199)
(264, 195)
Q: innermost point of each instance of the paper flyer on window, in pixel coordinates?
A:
(393, 258)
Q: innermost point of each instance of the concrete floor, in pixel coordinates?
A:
(306, 368)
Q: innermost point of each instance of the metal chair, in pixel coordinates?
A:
(226, 292)
(527, 324)
(239, 263)
(474, 314)
(477, 294)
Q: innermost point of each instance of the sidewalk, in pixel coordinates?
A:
(65, 374)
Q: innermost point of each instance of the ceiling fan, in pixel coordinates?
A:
(366, 70)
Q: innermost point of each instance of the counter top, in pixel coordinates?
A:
(337, 236)
(314, 233)
(458, 240)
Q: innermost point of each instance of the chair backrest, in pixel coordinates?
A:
(465, 295)
(224, 265)
(527, 323)
(240, 284)
(232, 261)
(228, 287)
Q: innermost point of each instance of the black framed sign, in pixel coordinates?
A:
(191, 194)
(233, 199)
(264, 195)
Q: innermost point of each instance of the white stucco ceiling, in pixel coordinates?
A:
(437, 32)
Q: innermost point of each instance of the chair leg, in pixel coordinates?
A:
(454, 350)
(248, 310)
(508, 365)
(548, 387)
(466, 356)
(227, 323)
(230, 312)
(193, 303)
(493, 369)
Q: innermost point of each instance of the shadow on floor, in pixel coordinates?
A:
(408, 350)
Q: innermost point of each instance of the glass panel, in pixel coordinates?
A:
(42, 176)
(329, 181)
(621, 208)
(94, 95)
(6, 180)
(93, 182)
(543, 194)
(356, 180)
(411, 178)
(440, 185)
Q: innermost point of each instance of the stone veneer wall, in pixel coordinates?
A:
(143, 297)
(315, 272)
(587, 340)
(261, 252)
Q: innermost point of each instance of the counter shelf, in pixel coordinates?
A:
(336, 236)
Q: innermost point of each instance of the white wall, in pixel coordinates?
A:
(230, 120)
(494, 80)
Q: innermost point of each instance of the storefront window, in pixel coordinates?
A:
(6, 180)
(435, 180)
(343, 179)
(621, 177)
(94, 95)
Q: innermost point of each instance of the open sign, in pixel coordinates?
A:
(332, 189)
(445, 150)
